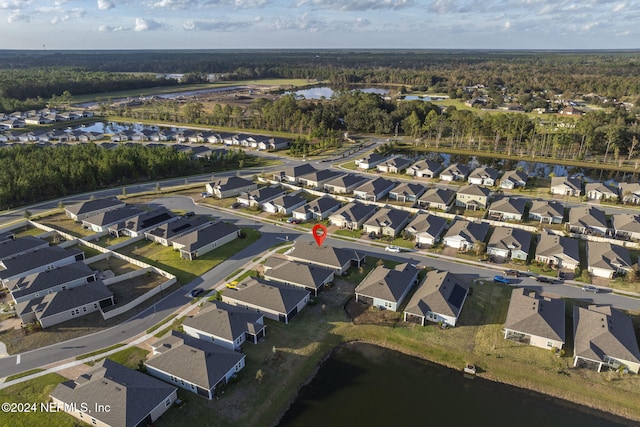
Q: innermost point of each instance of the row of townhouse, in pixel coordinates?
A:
(20, 119)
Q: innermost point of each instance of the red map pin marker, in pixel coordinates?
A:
(319, 233)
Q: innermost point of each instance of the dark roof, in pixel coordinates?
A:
(270, 295)
(510, 205)
(194, 360)
(484, 172)
(372, 158)
(456, 169)
(264, 193)
(288, 201)
(298, 273)
(321, 205)
(322, 175)
(36, 259)
(389, 217)
(58, 302)
(409, 189)
(206, 235)
(375, 186)
(183, 225)
(355, 211)
(21, 245)
(607, 256)
(552, 245)
(398, 162)
(587, 216)
(149, 219)
(425, 223)
(93, 205)
(323, 255)
(134, 394)
(231, 183)
(470, 231)
(48, 279)
(438, 195)
(601, 331)
(510, 238)
(113, 216)
(300, 170)
(225, 321)
(346, 180)
(475, 190)
(532, 314)
(547, 208)
(441, 292)
(388, 284)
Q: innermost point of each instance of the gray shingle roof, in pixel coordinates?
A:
(389, 217)
(626, 222)
(93, 205)
(355, 211)
(587, 216)
(601, 331)
(607, 256)
(608, 190)
(547, 208)
(206, 235)
(193, 360)
(264, 194)
(133, 394)
(438, 195)
(346, 180)
(515, 176)
(321, 175)
(113, 216)
(470, 231)
(231, 183)
(20, 245)
(58, 302)
(484, 172)
(147, 220)
(425, 223)
(409, 189)
(439, 293)
(226, 321)
(375, 186)
(455, 169)
(508, 238)
(552, 245)
(426, 165)
(534, 315)
(319, 206)
(270, 295)
(323, 255)
(288, 200)
(572, 183)
(36, 259)
(300, 170)
(171, 229)
(475, 190)
(294, 272)
(510, 205)
(48, 279)
(388, 284)
(398, 162)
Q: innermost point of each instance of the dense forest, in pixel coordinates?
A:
(29, 173)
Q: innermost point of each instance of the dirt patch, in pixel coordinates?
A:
(449, 251)
(364, 314)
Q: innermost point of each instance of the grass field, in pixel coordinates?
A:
(169, 260)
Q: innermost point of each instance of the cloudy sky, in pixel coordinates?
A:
(228, 24)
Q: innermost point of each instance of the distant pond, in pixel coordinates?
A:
(365, 385)
(327, 92)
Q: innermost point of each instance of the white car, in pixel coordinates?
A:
(392, 249)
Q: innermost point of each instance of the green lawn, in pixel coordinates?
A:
(169, 260)
(107, 240)
(348, 233)
(34, 391)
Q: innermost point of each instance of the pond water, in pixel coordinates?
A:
(423, 98)
(327, 92)
(365, 385)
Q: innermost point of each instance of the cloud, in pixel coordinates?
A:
(148, 25)
(214, 25)
(112, 29)
(619, 7)
(14, 5)
(18, 17)
(356, 5)
(106, 4)
(205, 4)
(307, 23)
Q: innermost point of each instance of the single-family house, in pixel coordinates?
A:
(509, 243)
(558, 251)
(205, 239)
(513, 179)
(293, 174)
(39, 260)
(601, 191)
(464, 235)
(386, 288)
(566, 186)
(437, 199)
(535, 320)
(57, 307)
(337, 259)
(226, 325)
(393, 165)
(284, 204)
(273, 144)
(140, 224)
(626, 225)
(571, 111)
(317, 179)
(352, 215)
(387, 222)
(604, 336)
(230, 187)
(455, 172)
(82, 210)
(473, 197)
(507, 209)
(22, 245)
(260, 196)
(370, 161)
(58, 279)
(374, 190)
(438, 299)
(588, 220)
(606, 260)
(344, 184)
(275, 300)
(630, 192)
(317, 209)
(167, 232)
(547, 211)
(192, 364)
(424, 169)
(483, 175)
(426, 229)
(407, 192)
(133, 398)
(309, 277)
(102, 221)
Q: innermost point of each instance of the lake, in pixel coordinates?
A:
(327, 92)
(365, 385)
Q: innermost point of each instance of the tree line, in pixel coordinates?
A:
(29, 173)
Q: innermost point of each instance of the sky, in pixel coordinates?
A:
(260, 24)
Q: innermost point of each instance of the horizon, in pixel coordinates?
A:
(320, 24)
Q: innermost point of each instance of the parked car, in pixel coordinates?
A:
(544, 279)
(205, 194)
(189, 214)
(501, 279)
(590, 288)
(514, 273)
(196, 292)
(236, 205)
(561, 275)
(392, 249)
